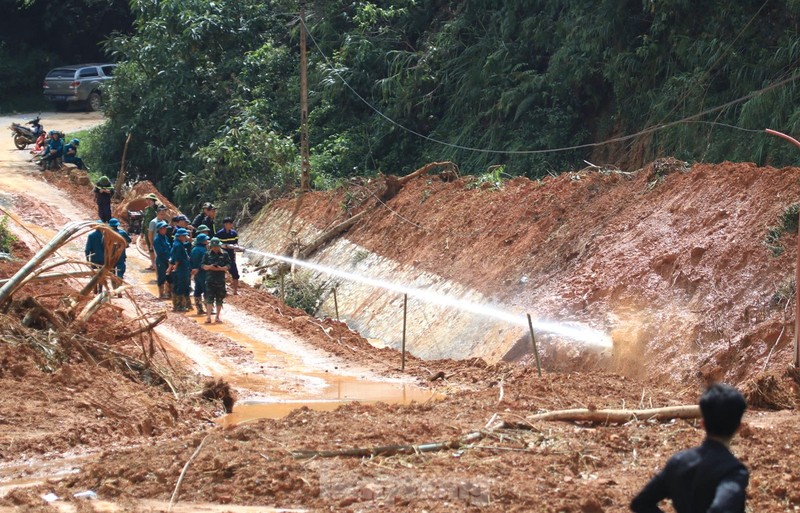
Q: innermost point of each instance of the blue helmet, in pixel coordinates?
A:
(113, 222)
(201, 238)
(76, 142)
(181, 231)
(161, 224)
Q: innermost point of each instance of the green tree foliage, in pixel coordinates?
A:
(210, 90)
(37, 35)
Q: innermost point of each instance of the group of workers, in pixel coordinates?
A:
(184, 254)
(50, 148)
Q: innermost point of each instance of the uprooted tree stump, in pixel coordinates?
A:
(219, 389)
(394, 184)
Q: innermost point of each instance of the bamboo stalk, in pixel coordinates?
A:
(51, 247)
(54, 276)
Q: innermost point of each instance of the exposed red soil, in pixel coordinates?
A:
(670, 259)
(67, 402)
(549, 467)
(593, 246)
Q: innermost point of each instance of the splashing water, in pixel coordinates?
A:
(581, 334)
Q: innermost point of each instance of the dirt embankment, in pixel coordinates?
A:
(670, 260)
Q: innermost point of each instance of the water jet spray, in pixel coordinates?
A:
(584, 335)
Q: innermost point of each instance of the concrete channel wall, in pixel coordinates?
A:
(432, 331)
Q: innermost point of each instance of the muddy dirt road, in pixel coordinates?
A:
(273, 370)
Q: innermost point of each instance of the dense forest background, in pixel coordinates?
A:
(209, 90)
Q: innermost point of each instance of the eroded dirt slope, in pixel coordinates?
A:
(670, 259)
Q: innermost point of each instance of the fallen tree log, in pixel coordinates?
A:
(574, 415)
(424, 170)
(311, 248)
(618, 416)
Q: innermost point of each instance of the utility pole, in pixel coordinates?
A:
(305, 165)
(796, 349)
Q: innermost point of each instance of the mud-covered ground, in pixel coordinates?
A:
(73, 425)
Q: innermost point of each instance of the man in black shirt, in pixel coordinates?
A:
(206, 217)
(707, 478)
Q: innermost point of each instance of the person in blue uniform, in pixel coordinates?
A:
(103, 192)
(198, 273)
(95, 249)
(707, 478)
(180, 271)
(53, 151)
(120, 268)
(71, 153)
(230, 243)
(162, 249)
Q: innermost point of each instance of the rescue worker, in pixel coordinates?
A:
(95, 249)
(203, 229)
(206, 217)
(180, 271)
(147, 224)
(216, 263)
(183, 222)
(53, 151)
(120, 268)
(162, 251)
(199, 275)
(230, 242)
(71, 153)
(103, 191)
(173, 225)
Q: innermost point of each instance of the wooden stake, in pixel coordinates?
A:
(335, 303)
(534, 348)
(405, 312)
(121, 175)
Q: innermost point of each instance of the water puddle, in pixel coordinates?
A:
(338, 393)
(279, 373)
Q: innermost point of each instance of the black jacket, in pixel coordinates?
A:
(705, 479)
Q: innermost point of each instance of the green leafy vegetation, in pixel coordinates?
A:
(301, 291)
(210, 90)
(7, 239)
(787, 223)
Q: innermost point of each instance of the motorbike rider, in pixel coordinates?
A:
(54, 149)
(71, 153)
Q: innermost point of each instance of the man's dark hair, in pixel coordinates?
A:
(722, 407)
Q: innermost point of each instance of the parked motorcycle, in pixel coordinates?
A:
(23, 136)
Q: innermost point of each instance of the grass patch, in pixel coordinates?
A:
(787, 223)
(7, 239)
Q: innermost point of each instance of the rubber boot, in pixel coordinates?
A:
(169, 289)
(176, 304)
(198, 303)
(187, 303)
(163, 289)
(235, 287)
